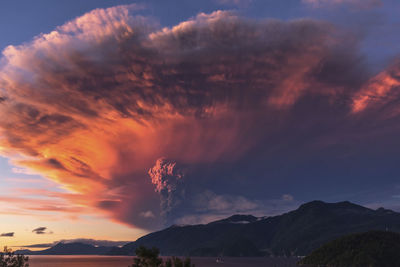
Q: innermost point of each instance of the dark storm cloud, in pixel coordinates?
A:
(97, 102)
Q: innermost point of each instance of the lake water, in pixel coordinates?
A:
(124, 261)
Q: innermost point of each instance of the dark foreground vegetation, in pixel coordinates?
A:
(371, 249)
(150, 258)
(10, 259)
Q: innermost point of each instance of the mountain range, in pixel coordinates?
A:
(76, 248)
(294, 233)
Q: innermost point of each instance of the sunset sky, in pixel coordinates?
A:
(118, 117)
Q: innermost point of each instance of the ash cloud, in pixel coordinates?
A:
(95, 103)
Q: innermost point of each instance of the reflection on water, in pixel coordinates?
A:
(124, 261)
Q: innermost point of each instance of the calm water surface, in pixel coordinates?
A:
(116, 261)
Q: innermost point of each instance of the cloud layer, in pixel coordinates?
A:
(96, 103)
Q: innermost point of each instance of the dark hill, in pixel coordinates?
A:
(373, 249)
(298, 232)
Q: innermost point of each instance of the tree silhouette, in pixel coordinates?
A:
(150, 258)
(147, 257)
(177, 262)
(10, 259)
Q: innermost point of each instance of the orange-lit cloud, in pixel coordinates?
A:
(94, 104)
(381, 91)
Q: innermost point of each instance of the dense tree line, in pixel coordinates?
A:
(370, 249)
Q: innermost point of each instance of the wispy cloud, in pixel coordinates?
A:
(239, 3)
(11, 234)
(56, 204)
(210, 207)
(147, 214)
(41, 231)
(287, 197)
(362, 4)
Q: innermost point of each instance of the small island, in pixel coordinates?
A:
(372, 249)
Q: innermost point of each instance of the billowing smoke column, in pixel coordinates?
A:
(168, 179)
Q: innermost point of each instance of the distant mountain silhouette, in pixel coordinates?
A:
(69, 249)
(373, 249)
(294, 233)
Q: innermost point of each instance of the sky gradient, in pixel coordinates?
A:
(118, 117)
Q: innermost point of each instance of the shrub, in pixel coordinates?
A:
(10, 259)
